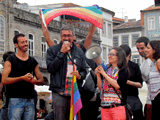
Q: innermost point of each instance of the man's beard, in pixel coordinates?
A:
(22, 47)
(144, 55)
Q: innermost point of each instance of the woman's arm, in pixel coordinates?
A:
(109, 79)
(137, 76)
(158, 65)
(134, 84)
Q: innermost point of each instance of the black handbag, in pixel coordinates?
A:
(129, 113)
(89, 85)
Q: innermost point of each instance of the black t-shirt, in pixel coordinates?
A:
(21, 89)
(135, 76)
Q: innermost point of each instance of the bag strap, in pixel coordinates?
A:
(122, 102)
(117, 93)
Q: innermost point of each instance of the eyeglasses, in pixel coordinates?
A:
(69, 36)
(111, 54)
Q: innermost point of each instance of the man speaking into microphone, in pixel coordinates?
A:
(60, 67)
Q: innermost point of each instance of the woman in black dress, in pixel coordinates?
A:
(133, 83)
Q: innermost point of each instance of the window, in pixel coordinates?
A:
(109, 31)
(125, 39)
(134, 38)
(135, 58)
(115, 41)
(104, 54)
(15, 33)
(30, 43)
(44, 47)
(2, 33)
(104, 29)
(151, 23)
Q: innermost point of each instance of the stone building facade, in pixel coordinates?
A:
(14, 20)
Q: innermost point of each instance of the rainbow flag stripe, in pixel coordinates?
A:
(76, 103)
(91, 14)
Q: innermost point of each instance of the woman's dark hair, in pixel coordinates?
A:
(126, 49)
(122, 62)
(155, 44)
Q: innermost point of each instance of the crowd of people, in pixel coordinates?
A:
(116, 84)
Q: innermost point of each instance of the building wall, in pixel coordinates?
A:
(29, 23)
(134, 52)
(106, 35)
(152, 33)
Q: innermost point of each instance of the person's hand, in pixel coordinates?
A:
(96, 72)
(100, 70)
(40, 14)
(65, 47)
(33, 80)
(50, 101)
(28, 77)
(78, 76)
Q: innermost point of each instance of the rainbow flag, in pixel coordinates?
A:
(76, 103)
(91, 14)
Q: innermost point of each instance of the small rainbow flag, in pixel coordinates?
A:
(76, 103)
(91, 14)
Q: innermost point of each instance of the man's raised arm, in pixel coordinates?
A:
(46, 32)
(89, 38)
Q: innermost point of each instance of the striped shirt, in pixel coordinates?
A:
(154, 80)
(108, 94)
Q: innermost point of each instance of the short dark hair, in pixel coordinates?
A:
(126, 49)
(6, 54)
(143, 39)
(155, 44)
(15, 39)
(68, 27)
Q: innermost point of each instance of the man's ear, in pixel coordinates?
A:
(16, 44)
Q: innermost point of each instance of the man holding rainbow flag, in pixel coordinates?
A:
(65, 93)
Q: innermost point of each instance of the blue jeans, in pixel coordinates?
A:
(19, 106)
(4, 113)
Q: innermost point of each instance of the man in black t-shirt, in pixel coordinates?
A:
(20, 73)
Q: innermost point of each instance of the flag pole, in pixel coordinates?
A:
(71, 103)
(74, 78)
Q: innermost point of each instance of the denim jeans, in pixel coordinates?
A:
(19, 106)
(4, 113)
